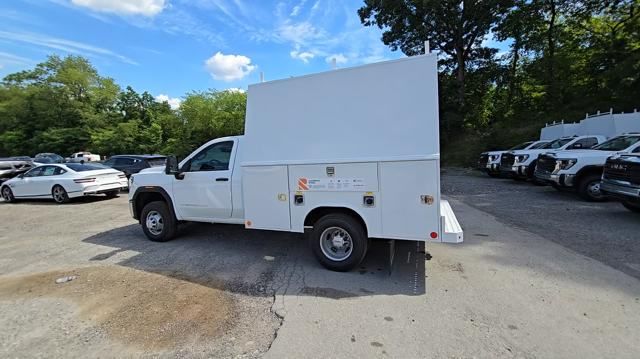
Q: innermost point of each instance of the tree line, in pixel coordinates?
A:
(564, 58)
(63, 105)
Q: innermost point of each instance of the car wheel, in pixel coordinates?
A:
(158, 223)
(7, 194)
(633, 207)
(339, 242)
(589, 188)
(59, 194)
(112, 194)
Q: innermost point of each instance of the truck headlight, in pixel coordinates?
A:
(566, 164)
(522, 158)
(493, 158)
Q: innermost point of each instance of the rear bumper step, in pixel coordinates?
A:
(452, 232)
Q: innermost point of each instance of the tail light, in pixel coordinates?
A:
(84, 180)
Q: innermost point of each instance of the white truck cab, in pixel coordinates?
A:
(84, 157)
(582, 169)
(521, 164)
(489, 161)
(319, 155)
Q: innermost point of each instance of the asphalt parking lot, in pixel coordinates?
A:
(510, 290)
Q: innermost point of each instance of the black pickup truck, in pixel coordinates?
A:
(621, 180)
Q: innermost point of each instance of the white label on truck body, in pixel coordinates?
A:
(330, 184)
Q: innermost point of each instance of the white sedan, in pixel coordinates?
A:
(64, 181)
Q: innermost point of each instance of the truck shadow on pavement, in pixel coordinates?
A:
(263, 263)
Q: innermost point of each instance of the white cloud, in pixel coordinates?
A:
(296, 9)
(304, 56)
(229, 67)
(69, 46)
(174, 102)
(235, 89)
(299, 33)
(7, 58)
(340, 59)
(124, 7)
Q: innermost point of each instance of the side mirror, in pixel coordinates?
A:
(171, 165)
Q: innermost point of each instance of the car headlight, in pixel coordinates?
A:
(493, 158)
(522, 158)
(566, 163)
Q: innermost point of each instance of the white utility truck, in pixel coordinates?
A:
(521, 164)
(582, 169)
(489, 161)
(348, 155)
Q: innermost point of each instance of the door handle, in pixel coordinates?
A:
(222, 179)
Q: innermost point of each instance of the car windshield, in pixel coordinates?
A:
(557, 143)
(520, 146)
(617, 144)
(539, 145)
(79, 167)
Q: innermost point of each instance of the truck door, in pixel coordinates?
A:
(204, 192)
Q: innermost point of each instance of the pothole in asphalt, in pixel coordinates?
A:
(138, 308)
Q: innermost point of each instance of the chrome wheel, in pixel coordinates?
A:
(59, 194)
(154, 223)
(594, 190)
(336, 244)
(7, 195)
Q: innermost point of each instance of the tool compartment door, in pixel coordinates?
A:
(409, 192)
(266, 197)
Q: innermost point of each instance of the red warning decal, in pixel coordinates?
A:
(303, 184)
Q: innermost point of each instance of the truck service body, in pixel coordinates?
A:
(320, 153)
(522, 163)
(582, 169)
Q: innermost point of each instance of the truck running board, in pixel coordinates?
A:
(452, 232)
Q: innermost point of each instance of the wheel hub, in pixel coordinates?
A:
(336, 244)
(154, 222)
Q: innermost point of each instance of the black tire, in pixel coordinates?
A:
(587, 188)
(112, 194)
(322, 232)
(59, 194)
(531, 170)
(7, 194)
(633, 207)
(163, 215)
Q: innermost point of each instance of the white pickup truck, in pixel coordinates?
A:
(84, 157)
(521, 164)
(346, 155)
(489, 162)
(582, 169)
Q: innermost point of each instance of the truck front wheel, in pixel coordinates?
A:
(589, 188)
(339, 242)
(158, 224)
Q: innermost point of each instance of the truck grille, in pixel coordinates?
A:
(482, 162)
(621, 169)
(546, 164)
(507, 160)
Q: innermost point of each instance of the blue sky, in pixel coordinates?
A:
(170, 47)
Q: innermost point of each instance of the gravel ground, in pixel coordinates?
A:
(605, 231)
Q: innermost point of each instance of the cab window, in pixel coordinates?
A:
(213, 158)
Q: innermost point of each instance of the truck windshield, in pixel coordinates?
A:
(539, 145)
(618, 143)
(521, 146)
(557, 143)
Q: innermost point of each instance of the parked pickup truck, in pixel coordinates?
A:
(522, 164)
(621, 179)
(582, 169)
(84, 157)
(489, 162)
(317, 156)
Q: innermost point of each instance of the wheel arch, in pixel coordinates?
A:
(315, 214)
(588, 170)
(145, 195)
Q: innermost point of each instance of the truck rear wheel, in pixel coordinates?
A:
(339, 242)
(633, 207)
(158, 224)
(589, 188)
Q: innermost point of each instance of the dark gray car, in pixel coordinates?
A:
(131, 164)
